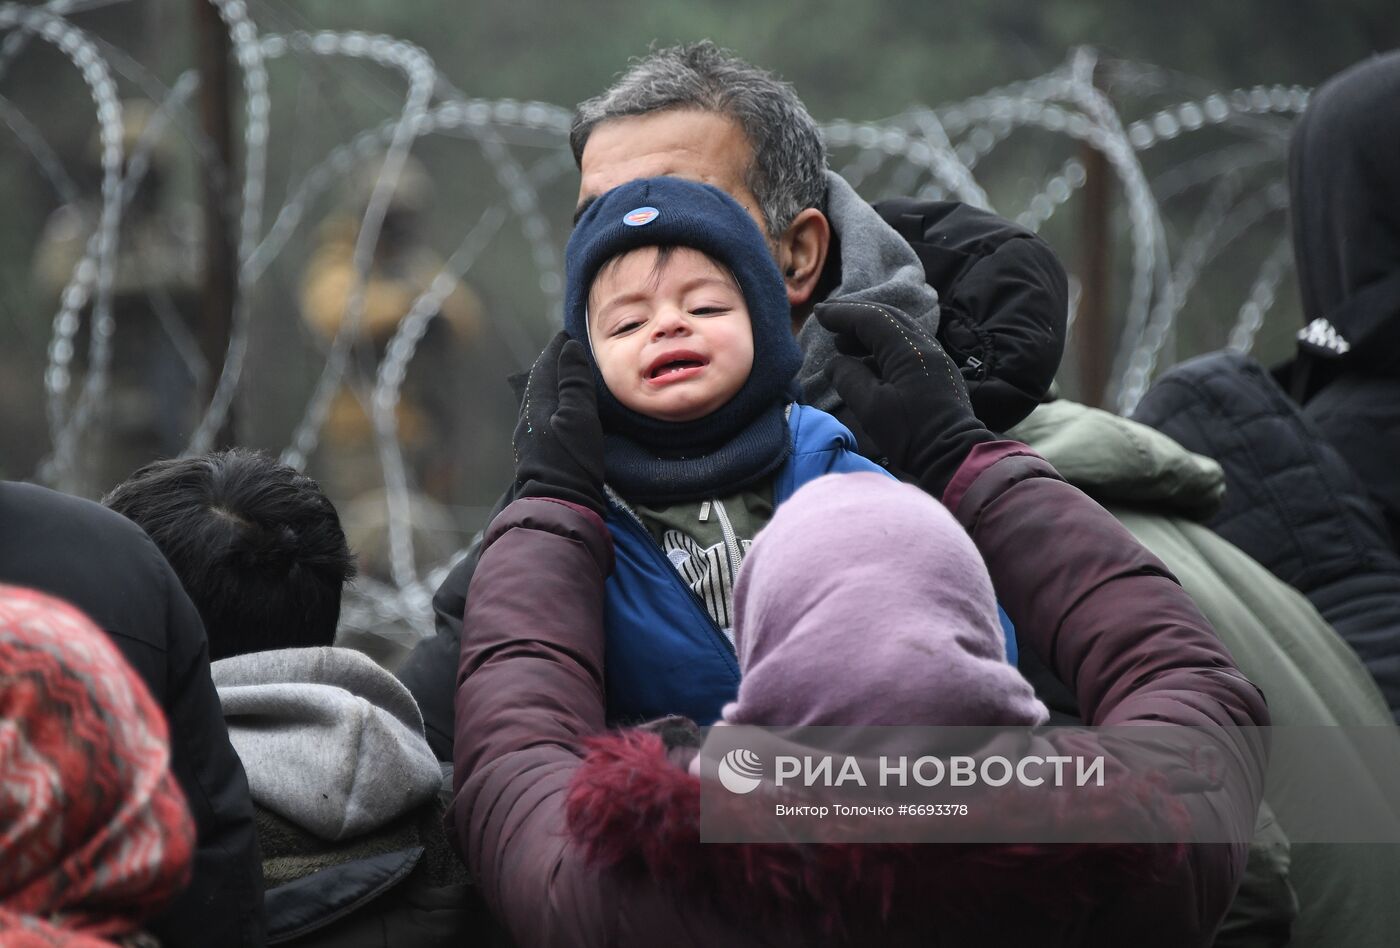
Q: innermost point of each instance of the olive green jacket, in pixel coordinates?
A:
(1158, 490)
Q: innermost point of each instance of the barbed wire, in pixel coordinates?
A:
(934, 151)
(100, 263)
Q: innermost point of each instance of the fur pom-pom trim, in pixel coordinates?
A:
(634, 811)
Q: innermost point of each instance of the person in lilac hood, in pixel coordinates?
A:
(860, 551)
(863, 601)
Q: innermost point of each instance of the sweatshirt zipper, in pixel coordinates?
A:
(731, 547)
(670, 569)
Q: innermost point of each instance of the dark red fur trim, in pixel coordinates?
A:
(632, 810)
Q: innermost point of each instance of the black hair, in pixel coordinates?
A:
(664, 253)
(257, 545)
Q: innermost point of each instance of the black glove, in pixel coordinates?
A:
(558, 439)
(903, 390)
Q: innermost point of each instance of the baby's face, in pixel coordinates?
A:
(673, 343)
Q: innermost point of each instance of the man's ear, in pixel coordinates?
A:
(802, 254)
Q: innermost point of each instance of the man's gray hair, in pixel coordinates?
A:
(789, 157)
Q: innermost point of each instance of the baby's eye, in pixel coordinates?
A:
(709, 310)
(626, 326)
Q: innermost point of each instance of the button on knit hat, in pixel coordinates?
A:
(656, 212)
(863, 602)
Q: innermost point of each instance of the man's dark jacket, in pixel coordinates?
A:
(1292, 502)
(106, 566)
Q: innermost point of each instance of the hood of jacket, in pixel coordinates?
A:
(994, 294)
(1344, 174)
(633, 807)
(1115, 460)
(331, 741)
(876, 266)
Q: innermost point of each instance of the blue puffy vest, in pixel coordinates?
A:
(664, 654)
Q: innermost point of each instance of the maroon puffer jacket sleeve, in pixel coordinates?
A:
(1101, 611)
(1113, 623)
(529, 689)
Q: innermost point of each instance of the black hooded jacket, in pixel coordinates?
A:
(106, 566)
(1345, 180)
(1291, 501)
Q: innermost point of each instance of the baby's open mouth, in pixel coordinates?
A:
(677, 365)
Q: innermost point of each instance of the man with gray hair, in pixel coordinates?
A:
(699, 112)
(739, 124)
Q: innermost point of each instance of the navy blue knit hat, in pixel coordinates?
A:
(656, 212)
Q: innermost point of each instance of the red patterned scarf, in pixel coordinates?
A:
(94, 833)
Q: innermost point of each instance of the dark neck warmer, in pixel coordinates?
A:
(643, 472)
(655, 462)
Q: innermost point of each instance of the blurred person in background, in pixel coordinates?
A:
(403, 267)
(435, 423)
(346, 791)
(157, 367)
(95, 837)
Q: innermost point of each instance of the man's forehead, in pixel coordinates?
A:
(699, 146)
